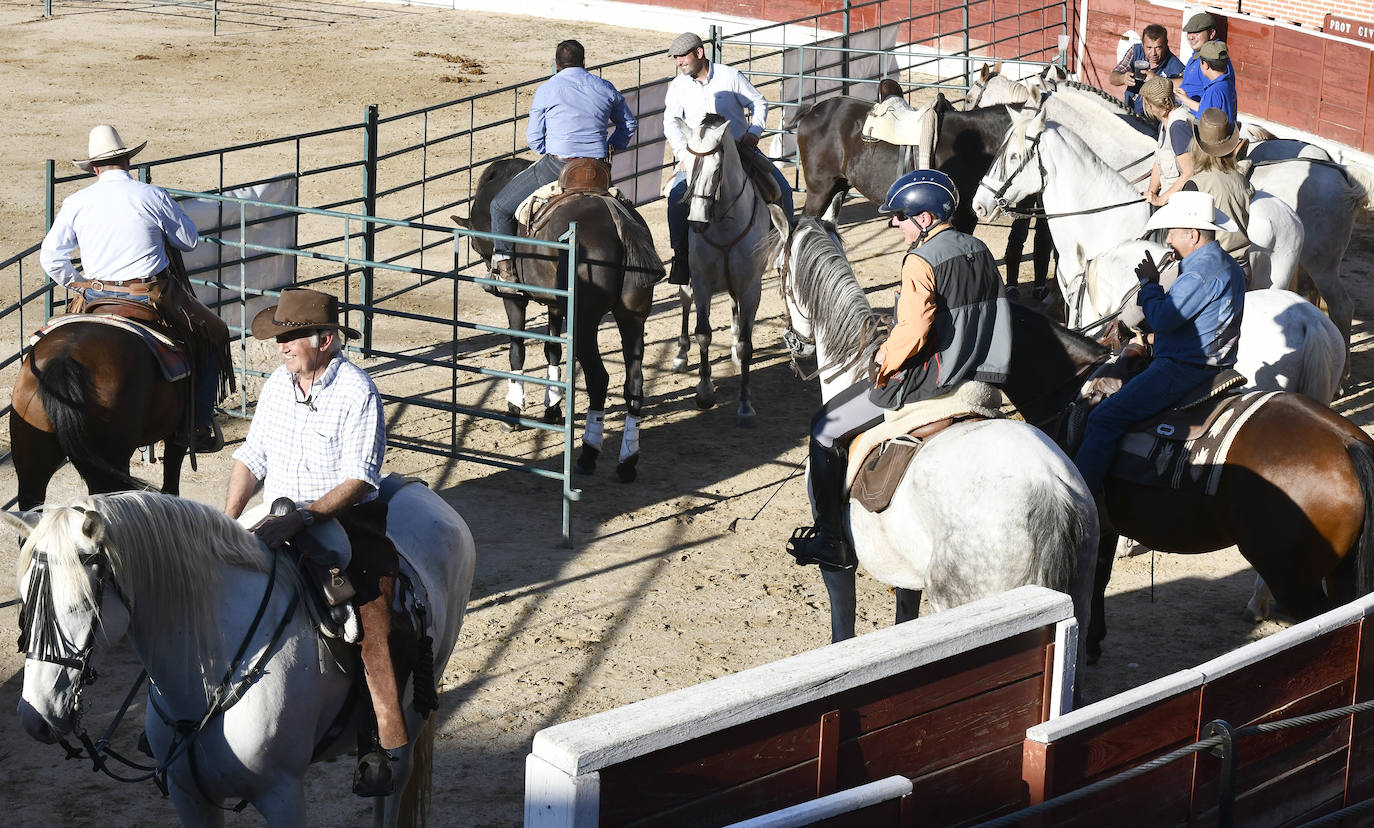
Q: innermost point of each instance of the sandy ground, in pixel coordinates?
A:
(674, 580)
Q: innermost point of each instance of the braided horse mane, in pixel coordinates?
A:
(1113, 103)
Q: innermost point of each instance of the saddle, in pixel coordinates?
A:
(1185, 447)
(896, 122)
(879, 457)
(171, 356)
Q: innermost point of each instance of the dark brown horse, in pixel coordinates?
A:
(92, 393)
(1296, 495)
(614, 275)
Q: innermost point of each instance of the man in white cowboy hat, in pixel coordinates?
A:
(318, 438)
(703, 87)
(1196, 327)
(123, 227)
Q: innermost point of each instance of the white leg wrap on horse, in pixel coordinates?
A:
(553, 395)
(595, 432)
(629, 444)
(515, 393)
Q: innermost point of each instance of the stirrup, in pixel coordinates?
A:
(373, 775)
(810, 546)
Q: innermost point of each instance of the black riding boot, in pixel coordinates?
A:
(825, 543)
(680, 273)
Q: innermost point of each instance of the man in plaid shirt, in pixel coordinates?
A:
(318, 438)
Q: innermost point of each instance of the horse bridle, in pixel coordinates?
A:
(798, 346)
(715, 213)
(46, 642)
(1033, 151)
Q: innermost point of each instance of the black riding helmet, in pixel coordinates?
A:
(922, 191)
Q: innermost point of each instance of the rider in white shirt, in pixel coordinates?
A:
(701, 88)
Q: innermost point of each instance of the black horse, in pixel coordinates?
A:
(615, 274)
(834, 157)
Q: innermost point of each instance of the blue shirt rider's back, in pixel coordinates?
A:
(570, 113)
(1197, 321)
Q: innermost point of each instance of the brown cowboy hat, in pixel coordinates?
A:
(1215, 133)
(299, 309)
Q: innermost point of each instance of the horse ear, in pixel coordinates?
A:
(832, 210)
(1078, 256)
(22, 522)
(93, 527)
(466, 224)
(779, 220)
(984, 71)
(997, 67)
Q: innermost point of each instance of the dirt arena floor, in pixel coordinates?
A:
(676, 579)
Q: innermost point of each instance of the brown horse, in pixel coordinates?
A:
(1296, 495)
(92, 393)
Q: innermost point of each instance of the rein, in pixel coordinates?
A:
(1033, 151)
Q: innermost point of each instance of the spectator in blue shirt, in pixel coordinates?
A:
(1220, 89)
(1201, 28)
(568, 120)
(1147, 59)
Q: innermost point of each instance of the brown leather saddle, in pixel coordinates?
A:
(171, 356)
(885, 464)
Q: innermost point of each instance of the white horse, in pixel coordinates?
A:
(729, 221)
(984, 507)
(238, 707)
(1092, 207)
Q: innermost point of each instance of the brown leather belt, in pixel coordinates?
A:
(131, 286)
(577, 157)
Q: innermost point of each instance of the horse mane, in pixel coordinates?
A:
(1111, 101)
(164, 553)
(830, 293)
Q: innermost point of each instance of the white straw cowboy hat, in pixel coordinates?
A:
(299, 309)
(105, 145)
(1192, 209)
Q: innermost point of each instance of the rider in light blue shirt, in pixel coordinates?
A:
(568, 119)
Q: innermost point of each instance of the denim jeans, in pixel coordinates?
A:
(544, 171)
(1156, 389)
(678, 207)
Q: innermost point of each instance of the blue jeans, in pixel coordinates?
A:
(207, 373)
(544, 171)
(1156, 389)
(678, 207)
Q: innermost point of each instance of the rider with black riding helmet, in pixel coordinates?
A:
(953, 324)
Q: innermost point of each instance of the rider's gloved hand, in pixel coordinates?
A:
(1147, 270)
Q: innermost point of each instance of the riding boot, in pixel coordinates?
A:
(825, 543)
(503, 270)
(388, 656)
(681, 274)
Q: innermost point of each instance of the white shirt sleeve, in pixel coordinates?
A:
(55, 254)
(758, 105)
(178, 227)
(672, 110)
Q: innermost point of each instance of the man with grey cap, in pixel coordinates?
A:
(704, 87)
(1196, 327)
(1199, 29)
(122, 227)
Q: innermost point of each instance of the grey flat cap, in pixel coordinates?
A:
(684, 43)
(1200, 22)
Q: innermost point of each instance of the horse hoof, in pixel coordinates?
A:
(515, 412)
(746, 420)
(586, 461)
(705, 403)
(626, 472)
(680, 365)
(554, 414)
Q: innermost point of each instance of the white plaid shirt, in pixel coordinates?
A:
(301, 450)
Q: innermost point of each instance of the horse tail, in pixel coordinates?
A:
(643, 266)
(1361, 180)
(1058, 528)
(1362, 458)
(1322, 360)
(413, 806)
(62, 392)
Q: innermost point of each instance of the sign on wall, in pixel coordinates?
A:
(1362, 30)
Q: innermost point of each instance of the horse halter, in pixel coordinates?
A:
(1032, 151)
(797, 345)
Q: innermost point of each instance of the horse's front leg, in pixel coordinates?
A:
(515, 389)
(706, 395)
(553, 355)
(173, 455)
(284, 805)
(745, 311)
(195, 811)
(684, 295)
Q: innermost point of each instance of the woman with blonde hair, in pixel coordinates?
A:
(1173, 163)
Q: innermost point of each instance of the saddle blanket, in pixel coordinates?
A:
(529, 208)
(878, 457)
(171, 356)
(1155, 459)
